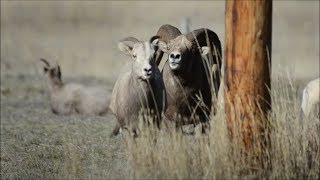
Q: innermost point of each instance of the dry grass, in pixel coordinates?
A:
(36, 144)
(294, 147)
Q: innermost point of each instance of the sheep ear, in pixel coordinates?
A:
(155, 42)
(59, 72)
(126, 49)
(163, 46)
(205, 50)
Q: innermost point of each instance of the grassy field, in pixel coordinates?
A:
(38, 144)
(293, 153)
(35, 143)
(82, 36)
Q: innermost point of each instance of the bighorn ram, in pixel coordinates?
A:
(311, 97)
(74, 98)
(186, 74)
(139, 86)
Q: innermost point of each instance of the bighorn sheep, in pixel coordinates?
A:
(71, 98)
(311, 97)
(139, 86)
(186, 75)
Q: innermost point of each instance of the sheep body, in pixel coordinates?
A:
(72, 98)
(76, 98)
(187, 85)
(133, 92)
(311, 97)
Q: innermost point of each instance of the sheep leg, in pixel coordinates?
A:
(115, 130)
(179, 126)
(158, 122)
(205, 127)
(134, 133)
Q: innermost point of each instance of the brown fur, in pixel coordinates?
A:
(71, 98)
(184, 86)
(216, 54)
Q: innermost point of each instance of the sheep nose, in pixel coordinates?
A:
(175, 55)
(148, 70)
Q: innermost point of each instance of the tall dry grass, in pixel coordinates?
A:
(293, 147)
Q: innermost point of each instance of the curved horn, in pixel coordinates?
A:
(205, 37)
(132, 39)
(195, 34)
(45, 61)
(168, 32)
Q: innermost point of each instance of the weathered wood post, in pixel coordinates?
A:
(248, 27)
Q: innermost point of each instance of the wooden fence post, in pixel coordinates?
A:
(248, 27)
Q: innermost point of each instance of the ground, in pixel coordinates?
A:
(35, 143)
